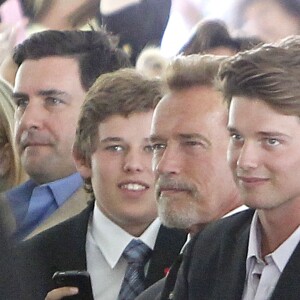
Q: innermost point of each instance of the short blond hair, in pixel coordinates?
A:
(192, 70)
(270, 73)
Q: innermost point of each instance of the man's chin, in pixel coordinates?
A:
(173, 219)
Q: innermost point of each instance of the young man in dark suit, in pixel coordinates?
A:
(255, 254)
(113, 154)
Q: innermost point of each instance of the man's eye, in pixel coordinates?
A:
(193, 143)
(53, 101)
(115, 148)
(236, 137)
(148, 148)
(21, 102)
(272, 142)
(157, 147)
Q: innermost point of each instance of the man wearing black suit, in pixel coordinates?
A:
(9, 283)
(113, 154)
(255, 254)
(194, 185)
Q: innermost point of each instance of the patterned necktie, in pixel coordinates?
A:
(136, 254)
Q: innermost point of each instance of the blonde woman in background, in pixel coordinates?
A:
(11, 172)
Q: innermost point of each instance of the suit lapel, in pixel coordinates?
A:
(167, 247)
(171, 278)
(230, 282)
(70, 208)
(288, 284)
(71, 254)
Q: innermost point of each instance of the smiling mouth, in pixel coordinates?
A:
(34, 145)
(252, 180)
(133, 187)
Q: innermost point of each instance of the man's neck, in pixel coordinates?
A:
(276, 227)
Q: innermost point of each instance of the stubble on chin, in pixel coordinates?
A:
(175, 215)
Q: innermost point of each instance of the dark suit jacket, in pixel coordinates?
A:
(9, 284)
(139, 25)
(163, 289)
(214, 265)
(62, 248)
(154, 291)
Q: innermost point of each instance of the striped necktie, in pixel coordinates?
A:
(137, 255)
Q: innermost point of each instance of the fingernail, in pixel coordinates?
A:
(74, 290)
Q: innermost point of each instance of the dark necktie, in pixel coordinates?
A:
(136, 254)
(167, 292)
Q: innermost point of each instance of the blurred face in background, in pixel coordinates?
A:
(270, 21)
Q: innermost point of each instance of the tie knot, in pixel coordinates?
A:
(137, 252)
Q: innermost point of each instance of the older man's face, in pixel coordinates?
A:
(193, 180)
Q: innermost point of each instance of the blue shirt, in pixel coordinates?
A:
(31, 203)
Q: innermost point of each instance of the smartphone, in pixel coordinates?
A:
(79, 279)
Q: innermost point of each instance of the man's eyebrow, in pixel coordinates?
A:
(153, 138)
(111, 139)
(231, 129)
(19, 95)
(260, 133)
(189, 136)
(181, 136)
(52, 92)
(273, 134)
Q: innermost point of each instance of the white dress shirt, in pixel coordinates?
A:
(262, 274)
(105, 244)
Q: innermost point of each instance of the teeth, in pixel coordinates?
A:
(133, 187)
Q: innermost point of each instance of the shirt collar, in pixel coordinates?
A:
(62, 189)
(280, 256)
(236, 210)
(109, 235)
(283, 253)
(254, 238)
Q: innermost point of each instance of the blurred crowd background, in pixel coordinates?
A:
(174, 20)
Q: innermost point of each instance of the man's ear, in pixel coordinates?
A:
(5, 159)
(82, 165)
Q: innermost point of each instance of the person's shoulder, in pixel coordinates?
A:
(64, 232)
(226, 228)
(20, 191)
(232, 222)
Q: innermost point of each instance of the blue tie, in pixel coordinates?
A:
(136, 254)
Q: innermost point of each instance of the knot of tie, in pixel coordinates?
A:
(137, 252)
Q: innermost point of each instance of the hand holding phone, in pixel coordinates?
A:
(61, 293)
(78, 279)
